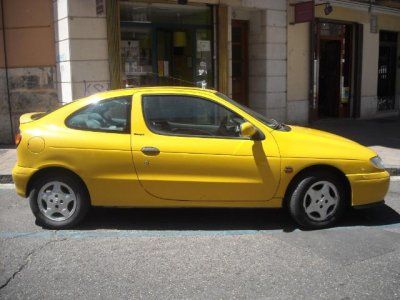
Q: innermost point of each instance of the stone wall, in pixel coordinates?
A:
(30, 89)
(5, 124)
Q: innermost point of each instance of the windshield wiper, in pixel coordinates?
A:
(275, 124)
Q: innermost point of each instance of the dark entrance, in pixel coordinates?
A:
(240, 79)
(387, 70)
(335, 70)
(329, 78)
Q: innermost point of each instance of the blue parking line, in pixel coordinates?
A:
(77, 234)
(130, 233)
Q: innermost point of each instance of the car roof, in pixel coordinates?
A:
(129, 91)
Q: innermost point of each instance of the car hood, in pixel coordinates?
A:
(312, 143)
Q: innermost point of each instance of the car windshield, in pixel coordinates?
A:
(263, 119)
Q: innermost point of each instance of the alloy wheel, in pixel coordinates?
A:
(57, 201)
(321, 200)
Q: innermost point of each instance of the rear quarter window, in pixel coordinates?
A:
(109, 115)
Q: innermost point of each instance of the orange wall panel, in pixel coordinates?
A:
(27, 13)
(2, 62)
(30, 47)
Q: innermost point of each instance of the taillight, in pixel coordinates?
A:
(18, 138)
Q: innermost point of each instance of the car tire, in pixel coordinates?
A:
(59, 201)
(317, 200)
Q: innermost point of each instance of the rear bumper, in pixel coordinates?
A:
(369, 188)
(21, 176)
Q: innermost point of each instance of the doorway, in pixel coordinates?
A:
(387, 70)
(334, 88)
(329, 79)
(240, 61)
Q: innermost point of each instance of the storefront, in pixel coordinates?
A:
(350, 54)
(236, 47)
(167, 44)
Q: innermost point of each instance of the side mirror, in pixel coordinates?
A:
(247, 130)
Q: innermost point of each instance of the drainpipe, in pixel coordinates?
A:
(6, 69)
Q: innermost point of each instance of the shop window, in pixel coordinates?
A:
(136, 53)
(166, 44)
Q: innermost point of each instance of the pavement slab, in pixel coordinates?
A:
(8, 158)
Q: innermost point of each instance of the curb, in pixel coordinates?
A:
(6, 179)
(393, 171)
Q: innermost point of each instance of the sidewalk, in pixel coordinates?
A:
(8, 158)
(381, 135)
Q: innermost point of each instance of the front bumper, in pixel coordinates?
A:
(21, 176)
(368, 188)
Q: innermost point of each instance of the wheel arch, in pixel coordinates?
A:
(318, 168)
(54, 170)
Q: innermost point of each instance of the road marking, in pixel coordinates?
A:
(76, 234)
(81, 234)
(394, 178)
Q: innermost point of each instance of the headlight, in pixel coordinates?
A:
(377, 162)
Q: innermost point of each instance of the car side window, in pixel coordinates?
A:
(110, 115)
(189, 116)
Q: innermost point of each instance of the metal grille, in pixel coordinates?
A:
(387, 70)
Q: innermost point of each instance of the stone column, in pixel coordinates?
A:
(81, 48)
(276, 30)
(268, 57)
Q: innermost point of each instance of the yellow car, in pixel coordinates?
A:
(186, 147)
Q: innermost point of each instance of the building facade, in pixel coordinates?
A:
(27, 62)
(343, 63)
(349, 61)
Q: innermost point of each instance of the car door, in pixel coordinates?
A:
(186, 146)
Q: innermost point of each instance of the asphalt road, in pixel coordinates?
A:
(199, 254)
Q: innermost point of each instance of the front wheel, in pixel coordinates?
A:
(58, 201)
(317, 200)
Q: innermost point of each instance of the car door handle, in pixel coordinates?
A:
(150, 150)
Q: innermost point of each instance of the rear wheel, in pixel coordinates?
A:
(58, 201)
(318, 200)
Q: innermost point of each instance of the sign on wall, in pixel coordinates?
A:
(304, 12)
(99, 7)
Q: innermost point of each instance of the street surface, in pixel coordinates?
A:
(199, 254)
